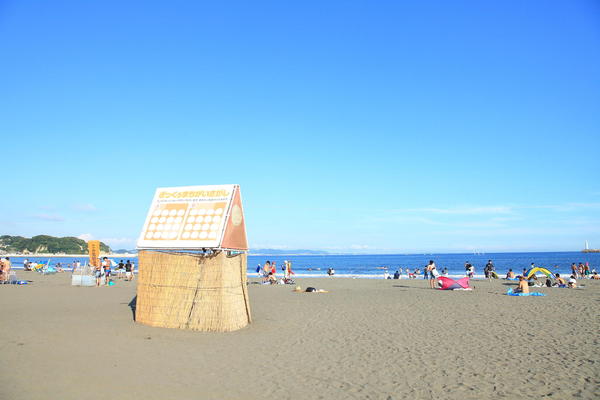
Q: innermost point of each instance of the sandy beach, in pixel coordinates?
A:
(365, 339)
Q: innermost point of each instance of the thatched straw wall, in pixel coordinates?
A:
(204, 293)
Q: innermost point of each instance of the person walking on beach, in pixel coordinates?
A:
(106, 264)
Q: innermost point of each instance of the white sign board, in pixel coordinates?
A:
(188, 217)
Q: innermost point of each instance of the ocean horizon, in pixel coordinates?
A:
(375, 265)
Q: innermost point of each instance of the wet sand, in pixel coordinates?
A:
(365, 339)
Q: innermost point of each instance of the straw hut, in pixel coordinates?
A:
(193, 291)
(192, 260)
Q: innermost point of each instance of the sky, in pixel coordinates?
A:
(351, 126)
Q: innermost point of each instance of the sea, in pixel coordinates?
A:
(374, 266)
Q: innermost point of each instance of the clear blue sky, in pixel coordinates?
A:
(350, 126)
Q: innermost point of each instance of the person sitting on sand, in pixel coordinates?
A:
(595, 275)
(572, 282)
(560, 282)
(523, 286)
(330, 271)
(271, 278)
(510, 274)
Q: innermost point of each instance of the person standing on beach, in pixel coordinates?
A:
(128, 270)
(431, 270)
(98, 273)
(120, 269)
(489, 269)
(470, 270)
(426, 270)
(2, 278)
(6, 267)
(586, 270)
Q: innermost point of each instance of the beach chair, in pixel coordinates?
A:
(12, 278)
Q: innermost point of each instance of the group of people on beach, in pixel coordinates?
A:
(268, 272)
(527, 279)
(103, 271)
(582, 270)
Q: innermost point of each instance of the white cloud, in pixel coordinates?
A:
(86, 236)
(116, 243)
(459, 210)
(87, 207)
(270, 246)
(49, 217)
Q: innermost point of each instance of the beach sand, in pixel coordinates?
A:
(365, 339)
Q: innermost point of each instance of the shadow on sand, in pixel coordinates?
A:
(132, 304)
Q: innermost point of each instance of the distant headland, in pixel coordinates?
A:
(45, 245)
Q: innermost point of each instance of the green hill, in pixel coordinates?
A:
(45, 244)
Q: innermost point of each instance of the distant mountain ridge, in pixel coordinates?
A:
(276, 252)
(46, 244)
(124, 251)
